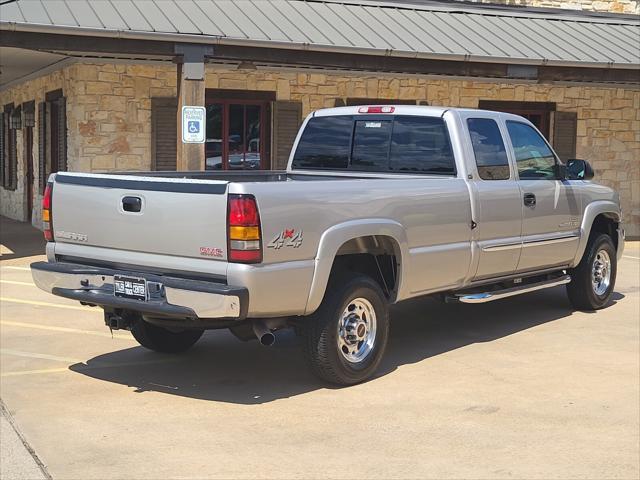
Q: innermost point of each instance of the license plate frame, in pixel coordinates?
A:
(132, 288)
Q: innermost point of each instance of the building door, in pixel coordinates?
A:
(538, 113)
(237, 132)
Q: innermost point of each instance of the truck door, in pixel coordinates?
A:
(551, 208)
(498, 199)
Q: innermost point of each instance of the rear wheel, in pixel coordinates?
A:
(162, 340)
(345, 339)
(593, 280)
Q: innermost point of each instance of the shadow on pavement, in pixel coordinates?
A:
(223, 369)
(20, 238)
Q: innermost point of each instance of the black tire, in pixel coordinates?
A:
(162, 340)
(581, 291)
(320, 335)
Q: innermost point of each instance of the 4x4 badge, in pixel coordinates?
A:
(286, 238)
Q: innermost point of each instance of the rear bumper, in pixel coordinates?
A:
(168, 296)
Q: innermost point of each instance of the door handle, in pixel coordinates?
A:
(529, 200)
(132, 204)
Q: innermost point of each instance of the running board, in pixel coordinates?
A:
(484, 297)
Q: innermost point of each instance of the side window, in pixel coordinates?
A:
(534, 157)
(488, 148)
(324, 143)
(421, 144)
(371, 145)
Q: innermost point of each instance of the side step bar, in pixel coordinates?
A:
(484, 297)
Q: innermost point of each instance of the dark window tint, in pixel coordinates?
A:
(324, 143)
(488, 147)
(534, 157)
(421, 144)
(371, 145)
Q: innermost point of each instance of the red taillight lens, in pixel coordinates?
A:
(380, 109)
(243, 211)
(47, 216)
(243, 230)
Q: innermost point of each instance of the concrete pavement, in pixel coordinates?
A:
(523, 388)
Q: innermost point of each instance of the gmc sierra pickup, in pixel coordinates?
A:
(378, 204)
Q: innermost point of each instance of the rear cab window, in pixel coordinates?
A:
(372, 143)
(488, 148)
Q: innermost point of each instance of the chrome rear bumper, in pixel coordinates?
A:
(167, 296)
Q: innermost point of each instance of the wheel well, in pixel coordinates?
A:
(377, 256)
(606, 224)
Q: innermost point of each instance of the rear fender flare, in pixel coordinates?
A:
(336, 236)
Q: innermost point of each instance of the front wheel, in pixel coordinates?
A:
(593, 280)
(163, 340)
(345, 339)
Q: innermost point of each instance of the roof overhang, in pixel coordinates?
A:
(68, 44)
(305, 47)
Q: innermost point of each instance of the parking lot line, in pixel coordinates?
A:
(43, 356)
(64, 329)
(34, 372)
(14, 282)
(47, 304)
(11, 267)
(629, 256)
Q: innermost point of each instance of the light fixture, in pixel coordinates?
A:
(245, 65)
(15, 119)
(28, 114)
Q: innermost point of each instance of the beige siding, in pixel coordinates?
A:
(611, 6)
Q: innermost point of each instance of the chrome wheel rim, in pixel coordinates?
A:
(357, 330)
(601, 272)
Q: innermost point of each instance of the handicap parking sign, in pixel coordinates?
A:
(194, 126)
(193, 119)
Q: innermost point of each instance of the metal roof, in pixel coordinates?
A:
(450, 32)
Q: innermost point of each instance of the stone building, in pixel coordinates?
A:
(608, 6)
(96, 86)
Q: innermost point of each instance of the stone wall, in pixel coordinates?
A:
(109, 113)
(611, 6)
(111, 117)
(13, 204)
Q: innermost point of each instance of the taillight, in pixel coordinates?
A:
(380, 109)
(47, 217)
(245, 245)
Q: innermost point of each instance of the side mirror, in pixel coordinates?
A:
(578, 170)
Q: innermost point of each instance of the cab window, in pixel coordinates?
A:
(403, 144)
(534, 158)
(325, 144)
(421, 145)
(371, 145)
(488, 148)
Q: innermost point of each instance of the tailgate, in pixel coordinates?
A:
(177, 216)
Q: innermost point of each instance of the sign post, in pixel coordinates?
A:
(193, 124)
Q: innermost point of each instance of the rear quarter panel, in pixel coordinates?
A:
(435, 213)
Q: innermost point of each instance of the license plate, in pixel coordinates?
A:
(130, 287)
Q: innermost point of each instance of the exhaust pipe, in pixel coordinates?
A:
(264, 335)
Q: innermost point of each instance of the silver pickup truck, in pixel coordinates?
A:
(378, 204)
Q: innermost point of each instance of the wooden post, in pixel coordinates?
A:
(191, 92)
